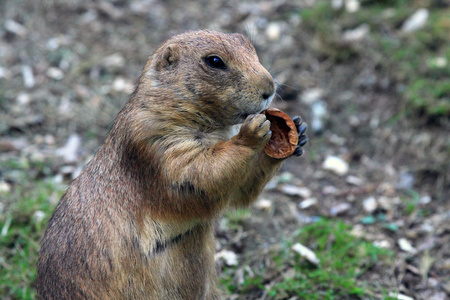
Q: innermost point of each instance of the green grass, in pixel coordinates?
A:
(27, 207)
(344, 259)
(234, 218)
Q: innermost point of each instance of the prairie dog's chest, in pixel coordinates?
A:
(210, 138)
(233, 130)
(153, 234)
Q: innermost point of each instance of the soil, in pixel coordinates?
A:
(67, 67)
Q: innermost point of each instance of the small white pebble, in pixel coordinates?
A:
(273, 31)
(293, 190)
(307, 203)
(28, 77)
(370, 204)
(358, 230)
(427, 227)
(23, 99)
(406, 246)
(263, 204)
(4, 73)
(121, 85)
(53, 44)
(352, 6)
(4, 187)
(354, 180)
(285, 177)
(306, 253)
(310, 96)
(400, 296)
(229, 257)
(337, 4)
(425, 199)
(15, 27)
(114, 60)
(416, 21)
(69, 151)
(340, 208)
(55, 73)
(336, 165)
(318, 114)
(382, 244)
(356, 34)
(38, 216)
(329, 190)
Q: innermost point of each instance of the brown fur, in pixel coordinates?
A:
(137, 222)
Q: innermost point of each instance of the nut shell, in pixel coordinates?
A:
(284, 134)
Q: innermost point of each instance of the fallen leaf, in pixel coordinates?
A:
(426, 262)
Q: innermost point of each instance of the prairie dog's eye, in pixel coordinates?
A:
(215, 62)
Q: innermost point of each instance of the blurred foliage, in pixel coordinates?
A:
(418, 61)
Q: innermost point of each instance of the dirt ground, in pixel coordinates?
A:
(67, 67)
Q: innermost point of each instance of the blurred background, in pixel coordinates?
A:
(363, 214)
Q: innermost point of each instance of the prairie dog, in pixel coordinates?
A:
(137, 223)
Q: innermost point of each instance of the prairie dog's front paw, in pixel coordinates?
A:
(255, 132)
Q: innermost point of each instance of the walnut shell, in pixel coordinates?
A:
(284, 134)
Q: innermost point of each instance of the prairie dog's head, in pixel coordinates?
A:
(217, 75)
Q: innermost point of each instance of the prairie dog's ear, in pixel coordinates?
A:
(166, 57)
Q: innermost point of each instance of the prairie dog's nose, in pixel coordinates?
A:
(267, 95)
(268, 87)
